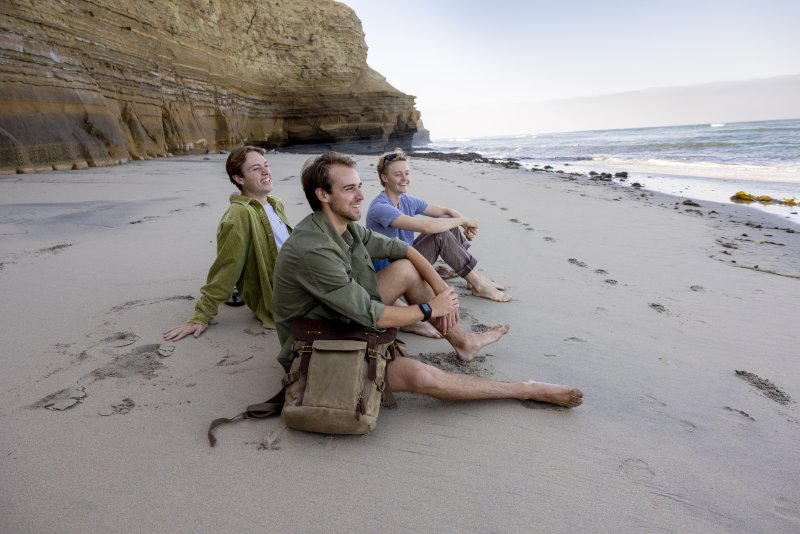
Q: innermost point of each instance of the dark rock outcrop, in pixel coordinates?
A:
(100, 82)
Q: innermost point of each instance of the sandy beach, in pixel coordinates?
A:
(678, 322)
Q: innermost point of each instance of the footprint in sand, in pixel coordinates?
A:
(575, 340)
(657, 406)
(653, 402)
(740, 415)
(787, 509)
(124, 406)
(698, 289)
(62, 400)
(577, 262)
(233, 359)
(549, 239)
(142, 361)
(145, 219)
(660, 308)
(766, 387)
(637, 471)
(146, 302)
(55, 249)
(271, 441)
(263, 332)
(121, 339)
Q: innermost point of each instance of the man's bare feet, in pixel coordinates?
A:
(485, 288)
(501, 287)
(490, 291)
(469, 344)
(422, 329)
(559, 394)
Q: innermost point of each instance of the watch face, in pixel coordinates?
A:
(426, 311)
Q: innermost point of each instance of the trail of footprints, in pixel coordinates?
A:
(119, 355)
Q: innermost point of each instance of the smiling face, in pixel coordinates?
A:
(396, 177)
(256, 179)
(343, 203)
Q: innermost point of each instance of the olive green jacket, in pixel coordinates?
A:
(323, 275)
(246, 252)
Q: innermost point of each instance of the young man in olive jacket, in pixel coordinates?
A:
(249, 236)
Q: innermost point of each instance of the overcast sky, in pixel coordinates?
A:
(478, 60)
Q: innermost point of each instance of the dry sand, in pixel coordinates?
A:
(688, 362)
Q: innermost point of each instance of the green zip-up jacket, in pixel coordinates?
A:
(246, 252)
(323, 275)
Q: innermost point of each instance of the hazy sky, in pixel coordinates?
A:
(470, 63)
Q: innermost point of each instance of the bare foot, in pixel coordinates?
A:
(422, 329)
(468, 344)
(561, 395)
(490, 291)
(501, 287)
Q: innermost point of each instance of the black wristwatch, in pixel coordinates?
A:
(426, 311)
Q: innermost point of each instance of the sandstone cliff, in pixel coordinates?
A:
(100, 82)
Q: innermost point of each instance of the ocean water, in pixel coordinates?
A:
(708, 162)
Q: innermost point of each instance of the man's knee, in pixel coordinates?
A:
(398, 270)
(414, 376)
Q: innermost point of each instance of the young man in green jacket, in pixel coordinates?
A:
(249, 236)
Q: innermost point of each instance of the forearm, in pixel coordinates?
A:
(398, 316)
(441, 224)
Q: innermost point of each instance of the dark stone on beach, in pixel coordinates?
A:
(637, 185)
(473, 157)
(592, 173)
(548, 167)
(622, 174)
(689, 202)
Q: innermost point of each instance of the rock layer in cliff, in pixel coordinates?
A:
(100, 82)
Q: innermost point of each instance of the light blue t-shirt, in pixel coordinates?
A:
(279, 229)
(382, 212)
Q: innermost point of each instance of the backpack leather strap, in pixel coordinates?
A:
(267, 408)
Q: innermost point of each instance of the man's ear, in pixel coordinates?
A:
(238, 179)
(322, 195)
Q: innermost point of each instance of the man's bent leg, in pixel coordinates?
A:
(400, 278)
(409, 375)
(451, 246)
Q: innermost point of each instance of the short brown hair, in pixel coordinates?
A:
(316, 173)
(233, 166)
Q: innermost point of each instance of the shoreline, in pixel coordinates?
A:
(677, 321)
(684, 186)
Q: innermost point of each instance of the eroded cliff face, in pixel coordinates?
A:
(100, 82)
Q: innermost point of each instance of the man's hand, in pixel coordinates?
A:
(444, 307)
(177, 332)
(470, 227)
